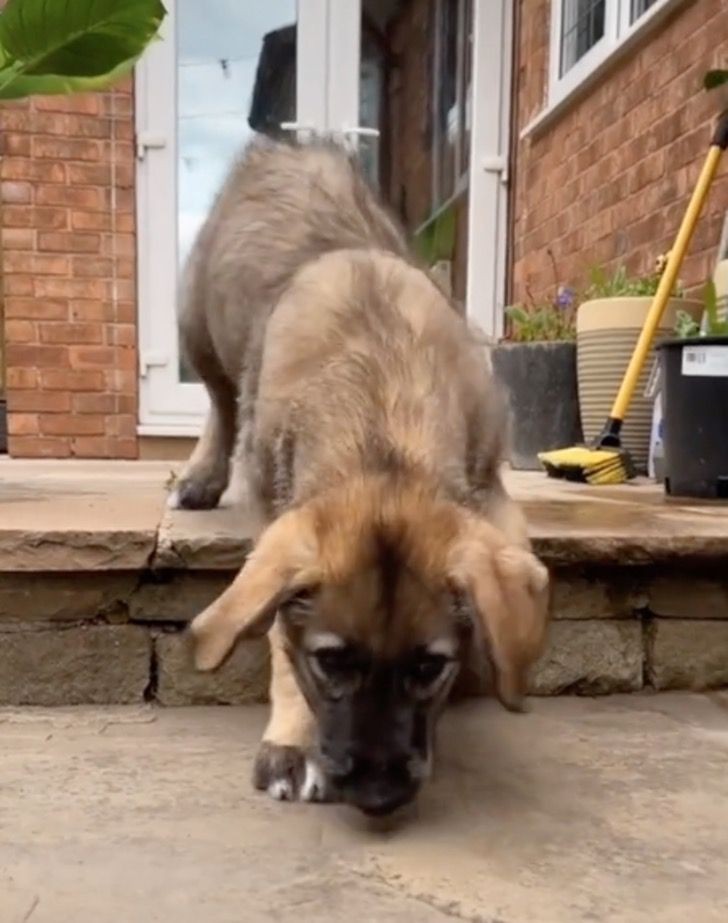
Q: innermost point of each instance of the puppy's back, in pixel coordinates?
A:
(281, 206)
(366, 366)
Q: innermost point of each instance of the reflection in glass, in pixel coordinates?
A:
(447, 109)
(371, 92)
(236, 71)
(582, 26)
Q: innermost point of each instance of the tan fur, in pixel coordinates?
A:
(333, 543)
(367, 415)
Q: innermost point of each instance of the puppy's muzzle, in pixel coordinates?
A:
(376, 786)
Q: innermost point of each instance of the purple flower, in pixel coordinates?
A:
(564, 297)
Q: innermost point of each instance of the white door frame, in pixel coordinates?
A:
(489, 151)
(168, 406)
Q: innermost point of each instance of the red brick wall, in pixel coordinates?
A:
(609, 180)
(68, 245)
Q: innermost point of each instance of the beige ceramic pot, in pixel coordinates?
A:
(606, 333)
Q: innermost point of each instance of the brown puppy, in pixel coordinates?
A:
(371, 434)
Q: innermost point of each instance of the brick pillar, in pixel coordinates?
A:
(68, 266)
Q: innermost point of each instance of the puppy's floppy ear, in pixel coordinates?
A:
(282, 563)
(509, 589)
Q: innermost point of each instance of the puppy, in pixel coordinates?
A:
(372, 438)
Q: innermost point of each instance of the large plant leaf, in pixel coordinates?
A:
(58, 46)
(53, 84)
(436, 240)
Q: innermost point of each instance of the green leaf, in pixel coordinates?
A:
(436, 240)
(715, 79)
(60, 46)
(53, 84)
(517, 313)
(445, 234)
(424, 243)
(685, 326)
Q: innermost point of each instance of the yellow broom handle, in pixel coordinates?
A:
(667, 283)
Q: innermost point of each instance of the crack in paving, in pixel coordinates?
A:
(31, 910)
(451, 909)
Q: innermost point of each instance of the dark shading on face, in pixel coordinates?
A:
(375, 709)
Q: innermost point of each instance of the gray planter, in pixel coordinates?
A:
(540, 379)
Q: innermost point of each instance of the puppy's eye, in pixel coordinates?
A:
(427, 668)
(338, 662)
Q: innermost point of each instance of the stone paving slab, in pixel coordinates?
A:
(632, 523)
(584, 811)
(79, 515)
(76, 515)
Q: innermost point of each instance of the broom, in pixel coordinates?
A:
(606, 461)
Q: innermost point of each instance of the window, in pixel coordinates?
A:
(224, 55)
(452, 93)
(223, 71)
(585, 33)
(582, 26)
(638, 7)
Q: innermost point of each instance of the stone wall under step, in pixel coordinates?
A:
(98, 579)
(118, 636)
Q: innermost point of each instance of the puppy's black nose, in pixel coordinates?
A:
(355, 768)
(380, 803)
(376, 786)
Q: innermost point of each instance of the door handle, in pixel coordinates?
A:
(362, 131)
(147, 142)
(296, 126)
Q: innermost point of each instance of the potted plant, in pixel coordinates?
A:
(695, 404)
(608, 323)
(537, 366)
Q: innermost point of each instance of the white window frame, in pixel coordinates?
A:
(619, 34)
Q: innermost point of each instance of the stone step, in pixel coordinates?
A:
(98, 580)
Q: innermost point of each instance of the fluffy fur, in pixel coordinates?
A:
(372, 437)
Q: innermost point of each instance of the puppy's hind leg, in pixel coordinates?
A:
(206, 474)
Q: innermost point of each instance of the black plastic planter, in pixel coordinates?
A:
(695, 391)
(541, 382)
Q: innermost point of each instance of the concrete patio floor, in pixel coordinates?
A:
(608, 811)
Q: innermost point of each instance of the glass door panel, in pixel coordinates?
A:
(236, 75)
(224, 71)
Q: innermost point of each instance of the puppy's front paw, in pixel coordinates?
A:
(288, 774)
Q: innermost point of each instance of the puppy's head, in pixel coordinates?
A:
(379, 590)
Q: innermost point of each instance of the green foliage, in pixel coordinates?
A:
(436, 240)
(620, 285)
(715, 78)
(686, 327)
(65, 46)
(714, 325)
(536, 323)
